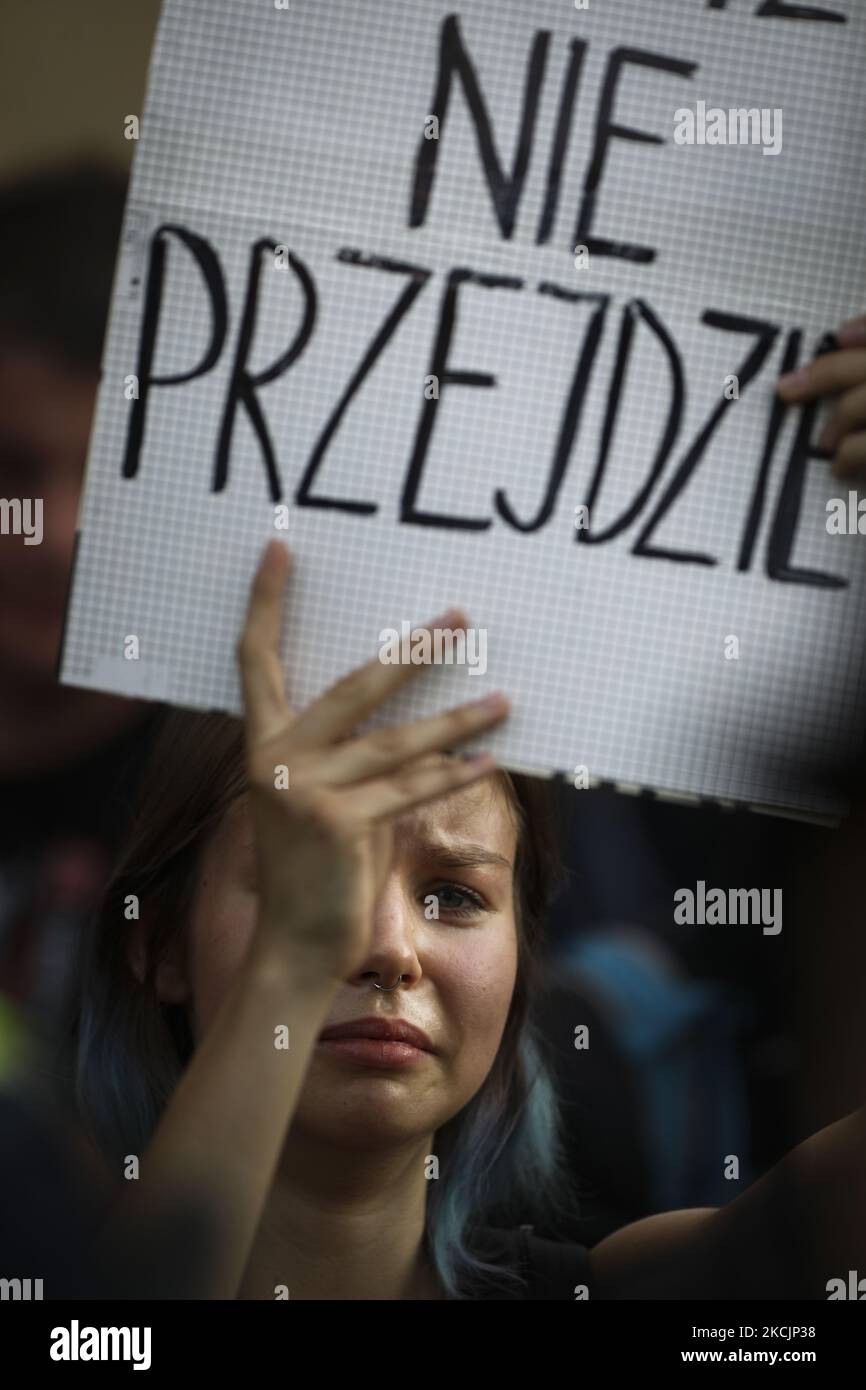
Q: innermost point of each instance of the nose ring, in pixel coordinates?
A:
(388, 989)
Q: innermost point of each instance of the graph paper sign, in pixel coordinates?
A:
(485, 304)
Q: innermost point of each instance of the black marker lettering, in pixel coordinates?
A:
(208, 264)
(728, 323)
(784, 527)
(439, 369)
(418, 278)
(777, 9)
(605, 131)
(505, 192)
(243, 384)
(759, 492)
(780, 9)
(560, 140)
(571, 418)
(636, 308)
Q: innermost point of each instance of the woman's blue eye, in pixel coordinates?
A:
(445, 895)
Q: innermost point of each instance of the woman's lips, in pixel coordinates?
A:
(374, 1052)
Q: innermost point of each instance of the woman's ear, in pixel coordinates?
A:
(172, 985)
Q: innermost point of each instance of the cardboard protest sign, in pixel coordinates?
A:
(485, 304)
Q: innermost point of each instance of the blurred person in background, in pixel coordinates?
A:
(68, 756)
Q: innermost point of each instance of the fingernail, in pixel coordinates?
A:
(495, 701)
(794, 380)
(453, 618)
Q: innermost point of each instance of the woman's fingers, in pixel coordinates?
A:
(386, 749)
(852, 333)
(848, 412)
(832, 372)
(357, 695)
(258, 649)
(851, 455)
(426, 779)
(841, 374)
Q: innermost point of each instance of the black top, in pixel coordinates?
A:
(550, 1269)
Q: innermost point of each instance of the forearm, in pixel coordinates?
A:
(222, 1132)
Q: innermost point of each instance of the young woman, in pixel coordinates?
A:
(306, 1006)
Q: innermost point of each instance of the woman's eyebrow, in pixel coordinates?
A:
(464, 855)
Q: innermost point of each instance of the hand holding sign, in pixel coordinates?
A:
(323, 802)
(841, 373)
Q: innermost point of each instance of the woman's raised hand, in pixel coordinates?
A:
(323, 825)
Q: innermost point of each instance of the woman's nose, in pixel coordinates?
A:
(392, 957)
